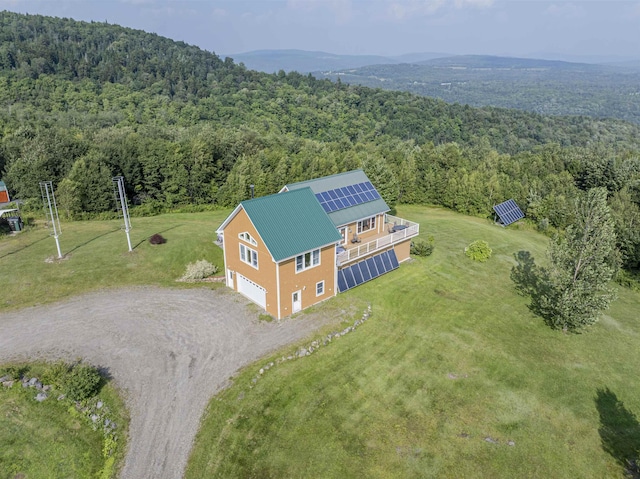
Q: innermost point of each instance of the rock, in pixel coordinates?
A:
(38, 385)
(7, 384)
(302, 352)
(46, 388)
(94, 417)
(261, 371)
(4, 379)
(107, 422)
(61, 397)
(511, 443)
(99, 405)
(25, 384)
(41, 397)
(33, 381)
(491, 440)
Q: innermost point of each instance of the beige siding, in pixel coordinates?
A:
(352, 229)
(306, 281)
(403, 250)
(265, 275)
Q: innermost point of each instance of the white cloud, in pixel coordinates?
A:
(342, 10)
(565, 10)
(401, 9)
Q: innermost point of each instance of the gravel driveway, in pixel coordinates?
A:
(170, 351)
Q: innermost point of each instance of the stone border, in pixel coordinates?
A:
(312, 347)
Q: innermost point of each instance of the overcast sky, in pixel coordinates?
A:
(534, 28)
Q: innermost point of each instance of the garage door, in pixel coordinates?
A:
(251, 290)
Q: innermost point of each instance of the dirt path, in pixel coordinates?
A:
(169, 350)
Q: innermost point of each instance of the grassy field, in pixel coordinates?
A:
(97, 256)
(452, 376)
(45, 440)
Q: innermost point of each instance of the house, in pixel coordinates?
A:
(312, 240)
(4, 193)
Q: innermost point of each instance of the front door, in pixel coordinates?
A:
(230, 280)
(297, 301)
(343, 232)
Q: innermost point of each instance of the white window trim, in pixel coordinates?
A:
(249, 256)
(372, 224)
(245, 236)
(317, 284)
(304, 267)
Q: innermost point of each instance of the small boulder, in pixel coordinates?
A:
(7, 384)
(99, 405)
(41, 397)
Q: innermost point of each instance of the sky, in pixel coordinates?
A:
(589, 30)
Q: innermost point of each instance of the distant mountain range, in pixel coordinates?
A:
(302, 61)
(547, 87)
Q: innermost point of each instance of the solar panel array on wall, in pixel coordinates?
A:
(508, 212)
(366, 270)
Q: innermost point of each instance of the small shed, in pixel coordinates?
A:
(4, 193)
(11, 218)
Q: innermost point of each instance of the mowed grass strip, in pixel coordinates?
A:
(96, 256)
(451, 377)
(45, 440)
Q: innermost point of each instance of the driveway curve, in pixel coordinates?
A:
(169, 350)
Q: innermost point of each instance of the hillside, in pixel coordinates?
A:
(451, 376)
(541, 86)
(82, 102)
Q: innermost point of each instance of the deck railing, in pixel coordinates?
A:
(410, 230)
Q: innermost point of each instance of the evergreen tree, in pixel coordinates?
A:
(574, 289)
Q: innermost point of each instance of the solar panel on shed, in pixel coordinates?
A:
(508, 212)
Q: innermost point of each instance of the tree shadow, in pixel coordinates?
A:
(530, 280)
(619, 431)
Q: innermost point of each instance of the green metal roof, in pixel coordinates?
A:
(346, 215)
(291, 223)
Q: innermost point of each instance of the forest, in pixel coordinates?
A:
(540, 86)
(83, 102)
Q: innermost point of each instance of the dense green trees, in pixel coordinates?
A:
(84, 102)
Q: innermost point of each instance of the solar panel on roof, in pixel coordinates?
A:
(347, 196)
(508, 212)
(366, 270)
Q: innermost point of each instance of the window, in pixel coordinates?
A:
(366, 225)
(320, 288)
(307, 260)
(249, 256)
(248, 238)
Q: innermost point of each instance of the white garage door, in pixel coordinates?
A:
(251, 290)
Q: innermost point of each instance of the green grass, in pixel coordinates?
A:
(451, 356)
(97, 256)
(44, 440)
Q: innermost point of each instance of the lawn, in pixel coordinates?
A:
(46, 440)
(452, 376)
(96, 256)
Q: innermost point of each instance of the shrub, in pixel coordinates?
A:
(82, 382)
(478, 251)
(56, 374)
(157, 239)
(420, 247)
(199, 270)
